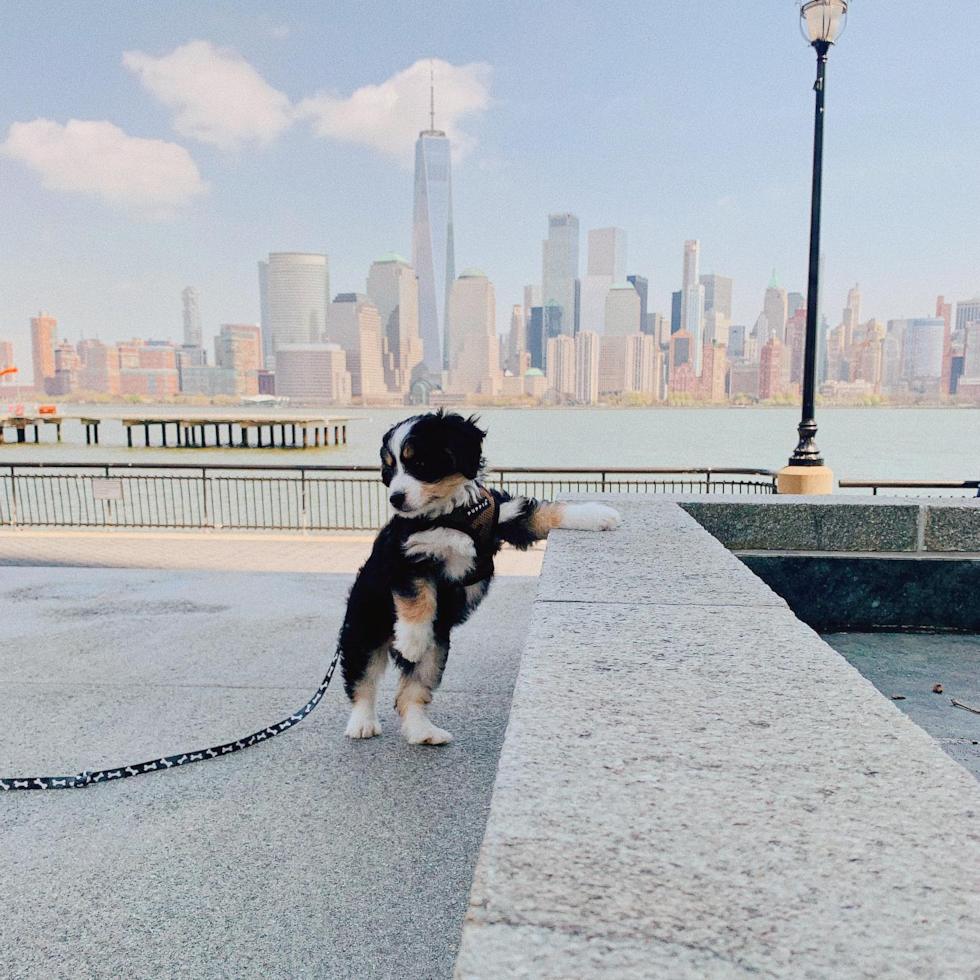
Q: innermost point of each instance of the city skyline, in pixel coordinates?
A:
(368, 346)
(894, 216)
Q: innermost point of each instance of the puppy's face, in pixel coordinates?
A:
(429, 463)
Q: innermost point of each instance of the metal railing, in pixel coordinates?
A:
(969, 488)
(298, 498)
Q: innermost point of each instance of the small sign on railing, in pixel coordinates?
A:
(103, 489)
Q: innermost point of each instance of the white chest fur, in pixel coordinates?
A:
(454, 549)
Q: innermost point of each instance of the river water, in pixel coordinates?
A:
(872, 443)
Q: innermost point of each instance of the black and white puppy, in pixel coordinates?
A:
(432, 563)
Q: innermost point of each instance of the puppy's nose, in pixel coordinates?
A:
(397, 499)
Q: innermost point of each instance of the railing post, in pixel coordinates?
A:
(302, 476)
(707, 481)
(13, 490)
(204, 497)
(109, 504)
(603, 481)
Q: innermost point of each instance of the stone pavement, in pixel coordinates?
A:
(910, 665)
(307, 856)
(241, 551)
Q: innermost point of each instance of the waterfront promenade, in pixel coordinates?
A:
(688, 782)
(308, 856)
(229, 551)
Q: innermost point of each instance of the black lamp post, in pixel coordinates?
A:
(822, 22)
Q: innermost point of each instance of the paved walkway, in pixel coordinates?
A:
(308, 856)
(338, 553)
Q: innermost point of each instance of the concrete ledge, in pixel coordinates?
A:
(876, 524)
(953, 528)
(693, 787)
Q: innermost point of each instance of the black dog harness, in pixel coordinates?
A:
(478, 521)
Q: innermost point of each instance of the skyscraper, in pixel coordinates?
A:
(640, 284)
(771, 369)
(561, 366)
(736, 342)
(560, 285)
(692, 301)
(313, 372)
(394, 290)
(587, 367)
(433, 251)
(775, 307)
(513, 358)
(622, 311)
(474, 352)
(607, 253)
(852, 314)
(692, 262)
(297, 294)
(923, 350)
(717, 294)
(193, 332)
(268, 359)
(238, 350)
(971, 351)
(43, 331)
(355, 324)
(675, 311)
(606, 265)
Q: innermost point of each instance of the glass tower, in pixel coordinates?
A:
(560, 285)
(432, 244)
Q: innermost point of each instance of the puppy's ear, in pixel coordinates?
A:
(464, 440)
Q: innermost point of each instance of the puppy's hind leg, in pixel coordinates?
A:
(362, 674)
(418, 682)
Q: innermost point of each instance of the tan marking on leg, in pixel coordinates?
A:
(363, 721)
(415, 694)
(546, 517)
(419, 608)
(367, 686)
(411, 692)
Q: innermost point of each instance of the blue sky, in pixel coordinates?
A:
(672, 121)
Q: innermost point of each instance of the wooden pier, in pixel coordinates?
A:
(189, 432)
(233, 432)
(21, 423)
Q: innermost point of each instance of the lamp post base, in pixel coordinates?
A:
(805, 480)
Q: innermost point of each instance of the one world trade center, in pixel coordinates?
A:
(432, 242)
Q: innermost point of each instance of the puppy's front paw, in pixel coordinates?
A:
(590, 517)
(362, 724)
(427, 734)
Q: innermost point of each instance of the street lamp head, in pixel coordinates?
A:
(823, 21)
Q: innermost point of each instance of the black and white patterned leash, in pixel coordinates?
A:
(88, 778)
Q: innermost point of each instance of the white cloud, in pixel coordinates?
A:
(216, 95)
(99, 159)
(389, 116)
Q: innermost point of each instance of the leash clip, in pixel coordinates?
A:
(83, 778)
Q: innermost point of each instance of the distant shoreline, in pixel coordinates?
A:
(292, 408)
